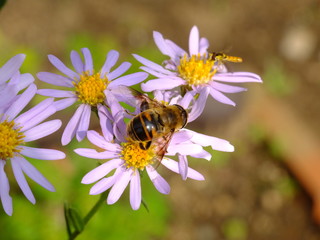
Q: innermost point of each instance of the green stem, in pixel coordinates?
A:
(90, 214)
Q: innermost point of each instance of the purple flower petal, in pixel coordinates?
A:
(62, 68)
(102, 185)
(194, 41)
(151, 64)
(25, 80)
(64, 103)
(20, 103)
(42, 153)
(128, 80)
(119, 186)
(6, 200)
(38, 118)
(42, 130)
(180, 136)
(173, 166)
(220, 97)
(135, 190)
(162, 84)
(99, 141)
(34, 174)
(92, 153)
(55, 79)
(25, 117)
(56, 93)
(183, 166)
(159, 182)
(162, 45)
(88, 63)
(203, 45)
(10, 67)
(101, 171)
(105, 122)
(77, 61)
(237, 77)
(22, 182)
(111, 60)
(184, 148)
(72, 126)
(203, 154)
(199, 104)
(119, 71)
(178, 51)
(215, 143)
(226, 88)
(84, 123)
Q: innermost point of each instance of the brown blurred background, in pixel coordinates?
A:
(270, 186)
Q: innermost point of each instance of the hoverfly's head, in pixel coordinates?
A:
(183, 114)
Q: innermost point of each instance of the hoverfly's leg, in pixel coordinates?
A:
(145, 145)
(144, 105)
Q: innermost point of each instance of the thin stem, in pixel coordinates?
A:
(89, 215)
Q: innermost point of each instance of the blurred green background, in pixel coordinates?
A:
(252, 193)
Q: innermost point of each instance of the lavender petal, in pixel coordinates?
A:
(10, 67)
(194, 41)
(72, 126)
(220, 97)
(62, 68)
(22, 182)
(183, 166)
(135, 190)
(226, 88)
(101, 171)
(128, 80)
(119, 71)
(118, 188)
(42, 153)
(111, 60)
(55, 79)
(84, 123)
(162, 84)
(42, 130)
(77, 61)
(159, 182)
(20, 103)
(6, 200)
(34, 174)
(88, 63)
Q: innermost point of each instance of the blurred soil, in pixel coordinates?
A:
(248, 194)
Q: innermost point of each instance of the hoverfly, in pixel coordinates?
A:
(221, 57)
(155, 124)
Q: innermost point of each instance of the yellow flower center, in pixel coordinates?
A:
(90, 88)
(10, 139)
(197, 69)
(135, 156)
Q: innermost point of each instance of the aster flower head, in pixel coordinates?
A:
(16, 131)
(87, 87)
(12, 81)
(193, 70)
(128, 160)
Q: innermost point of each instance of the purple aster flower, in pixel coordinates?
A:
(15, 132)
(127, 160)
(11, 81)
(193, 70)
(186, 140)
(86, 86)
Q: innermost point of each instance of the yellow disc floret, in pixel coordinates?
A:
(10, 139)
(90, 88)
(196, 69)
(136, 157)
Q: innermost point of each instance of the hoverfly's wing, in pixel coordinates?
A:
(135, 98)
(162, 145)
